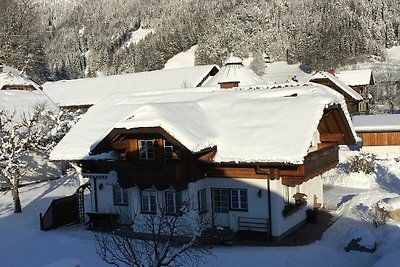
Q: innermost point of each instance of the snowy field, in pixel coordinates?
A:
(349, 196)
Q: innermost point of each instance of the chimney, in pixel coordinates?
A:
(228, 85)
(332, 71)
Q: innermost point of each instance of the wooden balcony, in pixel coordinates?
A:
(315, 163)
(142, 172)
(320, 161)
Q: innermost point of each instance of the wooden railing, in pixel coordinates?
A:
(154, 172)
(321, 160)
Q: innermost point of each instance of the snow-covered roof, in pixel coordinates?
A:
(234, 71)
(20, 101)
(281, 72)
(89, 91)
(355, 77)
(257, 125)
(12, 79)
(376, 123)
(339, 83)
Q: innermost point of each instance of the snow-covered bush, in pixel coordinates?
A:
(361, 163)
(379, 213)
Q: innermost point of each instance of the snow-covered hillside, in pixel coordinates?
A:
(350, 195)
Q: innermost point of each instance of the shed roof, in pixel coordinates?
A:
(376, 123)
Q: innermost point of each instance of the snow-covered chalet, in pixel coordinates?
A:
(240, 155)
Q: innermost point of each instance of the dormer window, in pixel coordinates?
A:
(168, 151)
(146, 149)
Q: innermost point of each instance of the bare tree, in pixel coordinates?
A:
(19, 135)
(162, 239)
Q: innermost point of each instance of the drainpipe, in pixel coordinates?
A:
(95, 194)
(259, 171)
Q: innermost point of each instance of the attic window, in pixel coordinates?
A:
(146, 149)
(168, 151)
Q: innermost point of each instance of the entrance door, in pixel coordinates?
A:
(220, 198)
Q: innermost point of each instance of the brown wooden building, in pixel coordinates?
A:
(379, 133)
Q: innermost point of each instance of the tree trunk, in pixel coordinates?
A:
(17, 201)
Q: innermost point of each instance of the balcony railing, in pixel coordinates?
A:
(321, 160)
(315, 163)
(148, 172)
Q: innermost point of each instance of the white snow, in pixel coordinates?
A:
(338, 82)
(234, 71)
(366, 237)
(20, 101)
(221, 118)
(371, 123)
(355, 77)
(138, 35)
(394, 203)
(89, 91)
(281, 72)
(11, 78)
(183, 59)
(393, 53)
(23, 244)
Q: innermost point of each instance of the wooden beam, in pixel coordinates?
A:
(331, 137)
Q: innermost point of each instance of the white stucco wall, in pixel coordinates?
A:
(257, 205)
(281, 224)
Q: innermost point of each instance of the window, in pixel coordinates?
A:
(220, 200)
(149, 201)
(146, 149)
(120, 196)
(168, 151)
(239, 199)
(173, 202)
(288, 193)
(201, 200)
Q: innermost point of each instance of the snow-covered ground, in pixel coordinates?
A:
(350, 196)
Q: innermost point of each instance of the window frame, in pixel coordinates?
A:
(170, 146)
(239, 201)
(120, 195)
(148, 195)
(176, 202)
(221, 209)
(145, 149)
(202, 200)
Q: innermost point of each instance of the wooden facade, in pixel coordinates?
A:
(19, 87)
(380, 138)
(182, 166)
(353, 106)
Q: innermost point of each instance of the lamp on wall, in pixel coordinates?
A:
(259, 193)
(100, 186)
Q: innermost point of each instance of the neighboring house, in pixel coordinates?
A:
(355, 102)
(379, 133)
(239, 155)
(83, 93)
(19, 96)
(360, 81)
(234, 74)
(281, 72)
